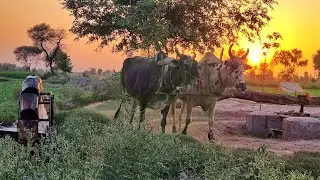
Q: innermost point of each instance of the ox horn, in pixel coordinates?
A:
(221, 54)
(243, 57)
(230, 52)
(177, 51)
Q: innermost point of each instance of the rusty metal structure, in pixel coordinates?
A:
(35, 112)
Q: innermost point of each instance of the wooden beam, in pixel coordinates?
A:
(271, 98)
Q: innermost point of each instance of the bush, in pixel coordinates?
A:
(60, 78)
(108, 88)
(70, 97)
(304, 162)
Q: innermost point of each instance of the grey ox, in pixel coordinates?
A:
(151, 81)
(215, 76)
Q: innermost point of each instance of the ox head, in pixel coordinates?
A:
(184, 70)
(235, 70)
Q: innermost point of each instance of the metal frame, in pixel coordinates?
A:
(12, 130)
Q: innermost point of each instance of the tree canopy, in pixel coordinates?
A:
(290, 59)
(193, 24)
(316, 62)
(27, 54)
(63, 62)
(45, 37)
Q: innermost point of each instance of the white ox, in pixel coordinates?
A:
(215, 76)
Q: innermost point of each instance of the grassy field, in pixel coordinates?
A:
(87, 145)
(65, 97)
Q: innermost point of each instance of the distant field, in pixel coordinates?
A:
(64, 96)
(15, 74)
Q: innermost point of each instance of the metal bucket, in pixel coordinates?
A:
(29, 104)
(32, 84)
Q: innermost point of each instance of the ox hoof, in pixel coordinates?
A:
(184, 131)
(163, 130)
(174, 129)
(210, 135)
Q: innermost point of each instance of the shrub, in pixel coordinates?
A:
(304, 162)
(108, 88)
(60, 78)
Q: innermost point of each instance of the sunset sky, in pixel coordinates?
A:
(297, 21)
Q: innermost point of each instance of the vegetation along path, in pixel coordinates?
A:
(230, 125)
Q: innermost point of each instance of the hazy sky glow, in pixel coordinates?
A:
(297, 21)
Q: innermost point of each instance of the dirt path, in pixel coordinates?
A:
(230, 125)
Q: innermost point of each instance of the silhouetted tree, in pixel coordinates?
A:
(63, 62)
(290, 60)
(27, 54)
(194, 24)
(316, 62)
(43, 36)
(99, 71)
(272, 41)
(93, 71)
(8, 67)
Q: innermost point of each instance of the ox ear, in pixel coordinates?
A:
(247, 67)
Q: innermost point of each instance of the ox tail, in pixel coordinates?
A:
(122, 86)
(116, 115)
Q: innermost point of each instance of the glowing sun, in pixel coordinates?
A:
(255, 55)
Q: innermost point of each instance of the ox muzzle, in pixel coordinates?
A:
(241, 86)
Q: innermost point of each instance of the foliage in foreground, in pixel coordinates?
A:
(305, 161)
(89, 146)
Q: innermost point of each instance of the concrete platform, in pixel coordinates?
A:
(301, 128)
(258, 122)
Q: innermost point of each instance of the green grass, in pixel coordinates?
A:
(89, 146)
(304, 162)
(15, 74)
(65, 98)
(8, 101)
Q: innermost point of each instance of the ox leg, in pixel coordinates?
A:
(164, 113)
(183, 107)
(173, 113)
(133, 110)
(211, 120)
(188, 119)
(143, 106)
